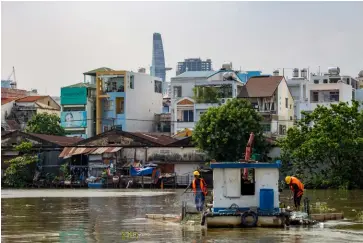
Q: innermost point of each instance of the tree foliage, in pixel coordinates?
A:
(44, 123)
(223, 131)
(326, 146)
(19, 173)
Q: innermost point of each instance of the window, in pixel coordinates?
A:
(334, 96)
(177, 91)
(248, 185)
(316, 81)
(48, 103)
(158, 87)
(325, 81)
(132, 82)
(266, 127)
(188, 116)
(120, 105)
(108, 105)
(290, 118)
(315, 97)
(287, 102)
(282, 129)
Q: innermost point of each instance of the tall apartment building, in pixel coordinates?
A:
(78, 109)
(194, 64)
(126, 100)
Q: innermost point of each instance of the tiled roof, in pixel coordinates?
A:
(196, 74)
(60, 140)
(6, 100)
(155, 138)
(31, 98)
(260, 86)
(81, 85)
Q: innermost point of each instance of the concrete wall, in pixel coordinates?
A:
(359, 98)
(49, 102)
(90, 131)
(142, 103)
(285, 115)
(6, 109)
(227, 187)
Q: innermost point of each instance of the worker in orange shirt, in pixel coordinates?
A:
(200, 190)
(297, 189)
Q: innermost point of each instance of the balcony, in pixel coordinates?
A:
(212, 94)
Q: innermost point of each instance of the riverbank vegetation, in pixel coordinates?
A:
(325, 148)
(20, 170)
(223, 131)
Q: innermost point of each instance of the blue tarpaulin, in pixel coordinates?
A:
(141, 171)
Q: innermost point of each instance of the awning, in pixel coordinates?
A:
(106, 150)
(70, 151)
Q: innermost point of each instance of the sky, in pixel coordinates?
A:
(51, 44)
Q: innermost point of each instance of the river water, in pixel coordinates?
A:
(119, 216)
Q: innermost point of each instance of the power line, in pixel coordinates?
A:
(130, 119)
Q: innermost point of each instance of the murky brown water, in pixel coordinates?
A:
(104, 216)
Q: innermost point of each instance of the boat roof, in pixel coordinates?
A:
(242, 165)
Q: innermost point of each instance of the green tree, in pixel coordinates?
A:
(19, 171)
(205, 94)
(326, 146)
(223, 131)
(44, 123)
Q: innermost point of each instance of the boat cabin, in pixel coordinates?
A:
(258, 192)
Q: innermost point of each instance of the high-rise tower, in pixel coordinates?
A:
(158, 61)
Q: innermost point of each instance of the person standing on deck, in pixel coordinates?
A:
(297, 188)
(200, 191)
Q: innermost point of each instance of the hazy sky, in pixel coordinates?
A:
(52, 43)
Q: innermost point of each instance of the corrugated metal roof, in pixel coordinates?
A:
(6, 100)
(106, 150)
(31, 98)
(94, 71)
(81, 85)
(70, 151)
(60, 140)
(196, 74)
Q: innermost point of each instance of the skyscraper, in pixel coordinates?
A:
(194, 64)
(158, 61)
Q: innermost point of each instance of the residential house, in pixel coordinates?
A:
(360, 79)
(271, 97)
(78, 109)
(47, 147)
(196, 91)
(126, 99)
(25, 108)
(320, 89)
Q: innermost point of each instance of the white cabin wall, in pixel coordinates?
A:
(265, 178)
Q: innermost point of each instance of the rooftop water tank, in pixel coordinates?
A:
(227, 66)
(304, 73)
(295, 73)
(276, 73)
(334, 70)
(360, 74)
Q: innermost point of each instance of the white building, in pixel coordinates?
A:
(271, 96)
(322, 89)
(190, 98)
(127, 100)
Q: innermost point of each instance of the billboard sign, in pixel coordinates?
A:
(74, 96)
(73, 119)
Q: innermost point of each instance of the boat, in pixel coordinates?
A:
(239, 201)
